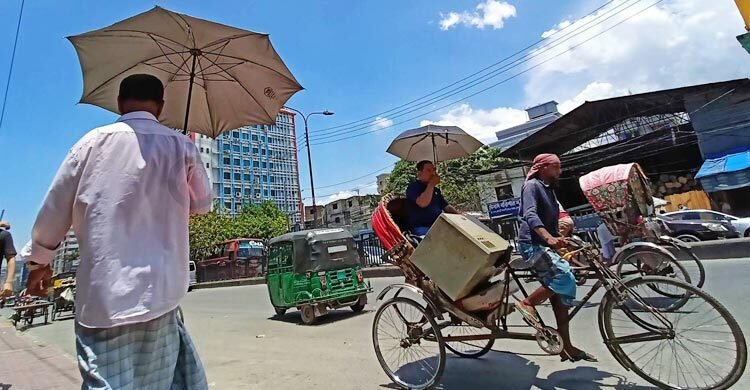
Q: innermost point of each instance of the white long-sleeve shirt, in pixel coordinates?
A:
(128, 190)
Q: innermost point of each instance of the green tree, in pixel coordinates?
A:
(263, 220)
(457, 177)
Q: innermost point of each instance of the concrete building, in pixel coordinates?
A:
(310, 216)
(68, 246)
(501, 185)
(382, 181)
(354, 213)
(254, 164)
(539, 117)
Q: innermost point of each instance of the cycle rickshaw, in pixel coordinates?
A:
(667, 331)
(621, 196)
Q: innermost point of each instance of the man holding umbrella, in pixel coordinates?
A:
(426, 202)
(128, 190)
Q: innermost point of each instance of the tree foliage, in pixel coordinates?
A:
(457, 177)
(263, 220)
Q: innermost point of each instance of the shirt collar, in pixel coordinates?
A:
(137, 115)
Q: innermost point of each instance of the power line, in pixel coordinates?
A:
(491, 86)
(526, 58)
(12, 60)
(374, 116)
(355, 179)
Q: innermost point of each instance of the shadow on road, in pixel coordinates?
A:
(502, 370)
(4, 386)
(293, 317)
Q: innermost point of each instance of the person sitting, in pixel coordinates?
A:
(538, 239)
(425, 201)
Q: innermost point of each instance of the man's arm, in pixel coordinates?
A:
(424, 199)
(10, 255)
(55, 216)
(529, 197)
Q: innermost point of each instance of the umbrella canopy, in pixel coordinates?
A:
(216, 77)
(435, 143)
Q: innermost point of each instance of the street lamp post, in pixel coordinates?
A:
(309, 158)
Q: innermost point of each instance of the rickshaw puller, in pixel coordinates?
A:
(539, 238)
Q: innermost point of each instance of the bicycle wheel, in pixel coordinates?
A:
(669, 342)
(694, 267)
(471, 349)
(650, 262)
(408, 344)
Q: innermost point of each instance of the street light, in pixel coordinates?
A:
(309, 157)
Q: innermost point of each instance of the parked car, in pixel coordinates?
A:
(699, 230)
(742, 225)
(193, 281)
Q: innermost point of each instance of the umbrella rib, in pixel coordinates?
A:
(189, 31)
(119, 74)
(424, 136)
(244, 60)
(148, 33)
(245, 89)
(227, 39)
(166, 56)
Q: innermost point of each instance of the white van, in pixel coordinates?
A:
(193, 280)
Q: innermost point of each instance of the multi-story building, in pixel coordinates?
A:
(539, 117)
(254, 164)
(61, 262)
(382, 181)
(354, 213)
(310, 216)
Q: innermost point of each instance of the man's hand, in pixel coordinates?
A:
(7, 290)
(557, 243)
(435, 180)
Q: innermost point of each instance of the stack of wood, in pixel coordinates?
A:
(674, 184)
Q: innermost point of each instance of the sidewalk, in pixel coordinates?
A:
(28, 366)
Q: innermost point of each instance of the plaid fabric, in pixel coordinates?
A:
(153, 355)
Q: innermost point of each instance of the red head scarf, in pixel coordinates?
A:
(540, 162)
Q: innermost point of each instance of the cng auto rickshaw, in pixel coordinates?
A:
(314, 271)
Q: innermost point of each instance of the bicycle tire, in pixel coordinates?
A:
(675, 264)
(426, 315)
(611, 302)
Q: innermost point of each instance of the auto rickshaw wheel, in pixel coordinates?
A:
(308, 314)
(359, 306)
(279, 311)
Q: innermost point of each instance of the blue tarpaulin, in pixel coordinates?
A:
(727, 172)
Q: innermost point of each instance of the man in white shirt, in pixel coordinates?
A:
(128, 190)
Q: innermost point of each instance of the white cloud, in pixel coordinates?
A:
(381, 122)
(482, 124)
(490, 13)
(676, 43)
(364, 189)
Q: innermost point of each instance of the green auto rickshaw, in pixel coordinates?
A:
(314, 271)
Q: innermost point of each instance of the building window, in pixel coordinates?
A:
(236, 148)
(247, 177)
(227, 160)
(227, 175)
(255, 137)
(335, 206)
(273, 193)
(256, 164)
(227, 191)
(246, 162)
(236, 134)
(255, 151)
(226, 147)
(228, 205)
(504, 192)
(245, 136)
(237, 161)
(247, 192)
(265, 193)
(263, 152)
(237, 176)
(245, 149)
(338, 220)
(350, 203)
(207, 165)
(202, 150)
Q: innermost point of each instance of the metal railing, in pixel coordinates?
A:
(370, 251)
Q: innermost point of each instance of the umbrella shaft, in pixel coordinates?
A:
(190, 95)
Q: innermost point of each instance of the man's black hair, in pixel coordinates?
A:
(421, 164)
(141, 87)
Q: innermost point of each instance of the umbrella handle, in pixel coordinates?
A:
(190, 93)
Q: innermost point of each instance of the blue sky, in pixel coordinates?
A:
(361, 58)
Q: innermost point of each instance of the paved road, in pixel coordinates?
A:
(244, 347)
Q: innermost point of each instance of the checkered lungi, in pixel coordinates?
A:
(153, 355)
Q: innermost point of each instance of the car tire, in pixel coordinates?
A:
(688, 238)
(747, 233)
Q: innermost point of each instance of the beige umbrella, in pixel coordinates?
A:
(216, 77)
(435, 143)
